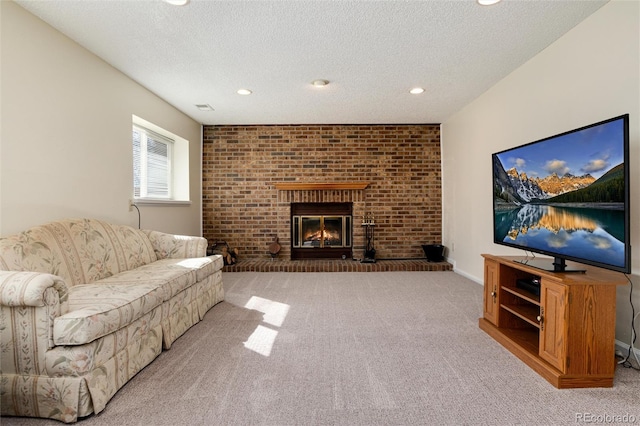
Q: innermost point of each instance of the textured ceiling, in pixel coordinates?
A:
(372, 52)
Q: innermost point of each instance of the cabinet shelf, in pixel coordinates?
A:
(523, 294)
(527, 339)
(526, 313)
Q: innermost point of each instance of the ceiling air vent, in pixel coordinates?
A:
(204, 107)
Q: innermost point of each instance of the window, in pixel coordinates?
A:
(160, 165)
(152, 158)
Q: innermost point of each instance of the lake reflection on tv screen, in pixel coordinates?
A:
(592, 233)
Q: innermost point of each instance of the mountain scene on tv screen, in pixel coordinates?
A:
(564, 195)
(513, 188)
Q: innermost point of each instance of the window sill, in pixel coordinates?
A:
(160, 202)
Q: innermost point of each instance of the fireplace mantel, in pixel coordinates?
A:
(320, 186)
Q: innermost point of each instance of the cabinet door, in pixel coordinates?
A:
(491, 303)
(553, 324)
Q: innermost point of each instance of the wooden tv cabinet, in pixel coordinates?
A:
(567, 333)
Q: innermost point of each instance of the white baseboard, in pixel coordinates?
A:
(465, 274)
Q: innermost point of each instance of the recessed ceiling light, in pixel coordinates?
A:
(204, 107)
(487, 2)
(416, 90)
(177, 2)
(244, 92)
(320, 83)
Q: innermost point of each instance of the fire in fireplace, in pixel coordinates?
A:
(321, 230)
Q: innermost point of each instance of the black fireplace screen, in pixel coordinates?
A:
(321, 231)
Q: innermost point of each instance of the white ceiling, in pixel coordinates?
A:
(372, 52)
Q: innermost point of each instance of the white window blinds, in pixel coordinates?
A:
(152, 161)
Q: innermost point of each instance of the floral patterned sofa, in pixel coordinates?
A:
(85, 305)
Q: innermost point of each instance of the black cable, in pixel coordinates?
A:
(138, 214)
(626, 363)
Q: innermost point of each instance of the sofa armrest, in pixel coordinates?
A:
(176, 246)
(32, 289)
(29, 303)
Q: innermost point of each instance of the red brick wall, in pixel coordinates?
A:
(242, 164)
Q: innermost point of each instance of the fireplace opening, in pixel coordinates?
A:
(321, 230)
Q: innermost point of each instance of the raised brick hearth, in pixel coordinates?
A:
(335, 265)
(396, 170)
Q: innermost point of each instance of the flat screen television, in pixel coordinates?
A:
(567, 196)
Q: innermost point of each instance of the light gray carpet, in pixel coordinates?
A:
(384, 348)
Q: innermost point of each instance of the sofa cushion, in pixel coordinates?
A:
(80, 251)
(202, 266)
(172, 280)
(107, 305)
(176, 246)
(98, 309)
(78, 360)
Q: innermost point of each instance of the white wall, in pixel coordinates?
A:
(590, 74)
(1, 97)
(65, 140)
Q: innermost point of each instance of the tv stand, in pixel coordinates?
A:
(567, 333)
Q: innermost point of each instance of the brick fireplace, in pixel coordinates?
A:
(322, 218)
(252, 175)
